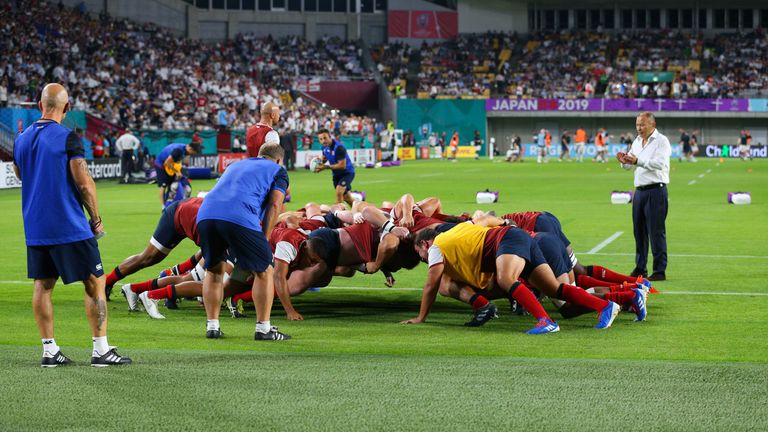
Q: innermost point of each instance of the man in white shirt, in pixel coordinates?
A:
(126, 145)
(649, 158)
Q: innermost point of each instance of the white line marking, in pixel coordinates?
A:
(715, 293)
(691, 182)
(431, 175)
(701, 175)
(682, 255)
(606, 242)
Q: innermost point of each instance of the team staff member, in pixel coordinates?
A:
(580, 140)
(236, 218)
(168, 163)
(340, 163)
(649, 157)
(56, 184)
(126, 145)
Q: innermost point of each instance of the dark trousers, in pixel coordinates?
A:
(649, 213)
(126, 164)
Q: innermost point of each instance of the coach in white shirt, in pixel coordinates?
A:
(126, 145)
(649, 157)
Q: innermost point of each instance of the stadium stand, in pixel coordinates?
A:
(141, 75)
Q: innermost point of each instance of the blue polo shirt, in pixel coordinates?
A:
(240, 196)
(334, 154)
(50, 201)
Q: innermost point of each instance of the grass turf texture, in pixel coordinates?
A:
(698, 363)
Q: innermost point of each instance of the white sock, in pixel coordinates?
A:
(100, 345)
(50, 347)
(212, 325)
(263, 326)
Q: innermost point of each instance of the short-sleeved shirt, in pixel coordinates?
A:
(50, 201)
(241, 194)
(185, 218)
(334, 154)
(258, 135)
(524, 220)
(176, 151)
(286, 243)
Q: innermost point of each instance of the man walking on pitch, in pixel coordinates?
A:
(56, 184)
(649, 158)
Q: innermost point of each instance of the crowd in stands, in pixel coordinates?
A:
(142, 76)
(593, 64)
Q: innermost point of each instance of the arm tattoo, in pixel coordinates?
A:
(101, 307)
(84, 167)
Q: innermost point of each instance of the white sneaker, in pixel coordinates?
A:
(150, 306)
(131, 297)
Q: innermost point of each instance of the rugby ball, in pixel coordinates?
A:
(314, 163)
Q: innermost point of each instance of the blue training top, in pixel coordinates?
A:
(335, 153)
(176, 150)
(240, 196)
(50, 201)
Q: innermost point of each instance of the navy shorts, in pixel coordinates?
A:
(518, 242)
(221, 241)
(74, 261)
(332, 221)
(344, 180)
(332, 245)
(554, 252)
(165, 237)
(548, 223)
(162, 178)
(445, 227)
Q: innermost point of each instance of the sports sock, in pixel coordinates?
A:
(526, 299)
(246, 296)
(580, 297)
(584, 281)
(140, 287)
(603, 273)
(263, 326)
(186, 265)
(477, 301)
(114, 276)
(212, 325)
(622, 298)
(50, 347)
(162, 293)
(622, 288)
(100, 345)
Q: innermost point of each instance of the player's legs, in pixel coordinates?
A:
(508, 269)
(150, 256)
(42, 306)
(263, 292)
(96, 305)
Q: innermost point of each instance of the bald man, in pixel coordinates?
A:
(649, 158)
(61, 242)
(262, 132)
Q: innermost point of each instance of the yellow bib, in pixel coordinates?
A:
(462, 249)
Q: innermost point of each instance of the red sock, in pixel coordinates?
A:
(621, 298)
(187, 265)
(140, 287)
(603, 273)
(585, 281)
(245, 296)
(621, 288)
(161, 293)
(580, 297)
(114, 276)
(477, 301)
(525, 297)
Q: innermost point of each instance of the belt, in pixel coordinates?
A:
(651, 186)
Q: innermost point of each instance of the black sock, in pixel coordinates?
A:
(118, 273)
(173, 292)
(512, 289)
(560, 291)
(154, 284)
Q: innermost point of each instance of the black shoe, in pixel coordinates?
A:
(214, 334)
(517, 309)
(272, 335)
(483, 315)
(57, 359)
(110, 358)
(658, 276)
(108, 291)
(637, 272)
(171, 304)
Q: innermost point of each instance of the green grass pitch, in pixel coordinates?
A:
(698, 363)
